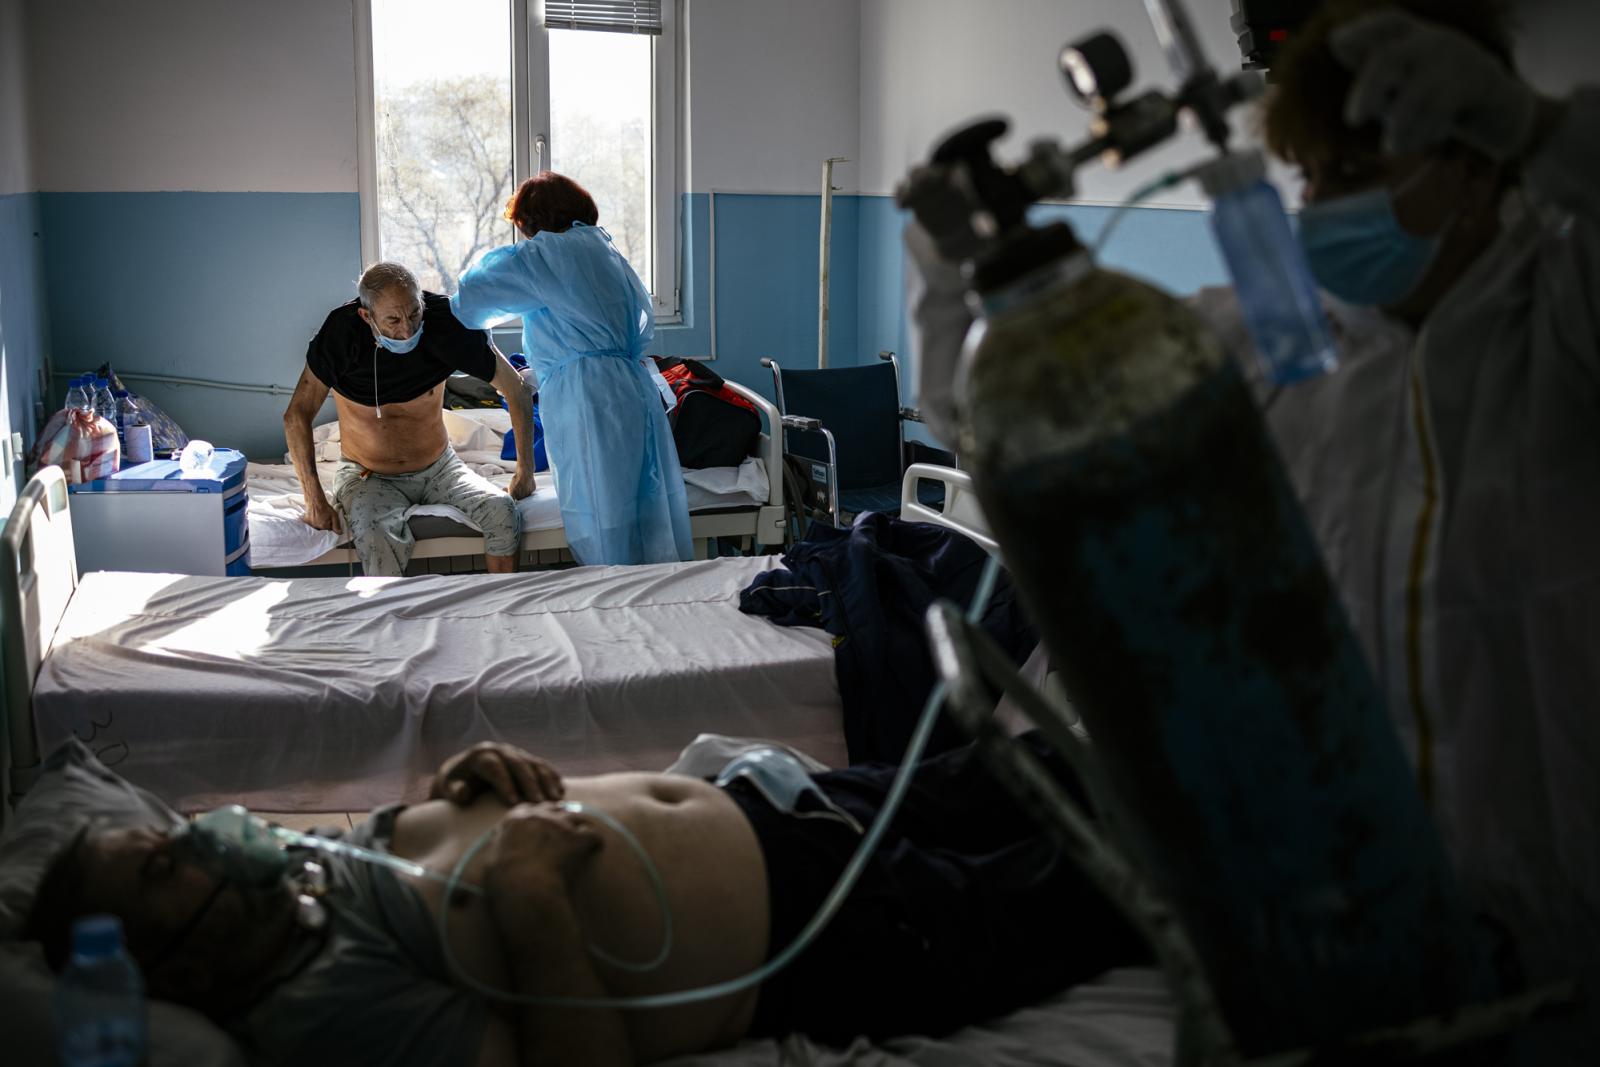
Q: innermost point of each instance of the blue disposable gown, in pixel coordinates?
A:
(586, 319)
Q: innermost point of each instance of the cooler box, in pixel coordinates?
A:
(153, 517)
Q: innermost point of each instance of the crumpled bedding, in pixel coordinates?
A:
(280, 538)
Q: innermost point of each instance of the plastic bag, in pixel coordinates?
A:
(87, 450)
(166, 436)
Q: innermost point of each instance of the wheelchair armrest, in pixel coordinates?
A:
(911, 415)
(800, 422)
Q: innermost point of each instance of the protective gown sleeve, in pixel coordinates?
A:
(499, 287)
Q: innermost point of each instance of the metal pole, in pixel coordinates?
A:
(824, 255)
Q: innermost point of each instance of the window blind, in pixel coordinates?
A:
(610, 16)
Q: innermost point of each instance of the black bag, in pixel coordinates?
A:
(712, 425)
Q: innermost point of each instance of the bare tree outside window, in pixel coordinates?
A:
(442, 89)
(444, 154)
(600, 131)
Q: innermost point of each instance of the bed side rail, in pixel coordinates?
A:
(772, 519)
(38, 575)
(961, 511)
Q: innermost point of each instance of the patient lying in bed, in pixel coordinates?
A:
(966, 911)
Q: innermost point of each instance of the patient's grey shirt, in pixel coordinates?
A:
(378, 991)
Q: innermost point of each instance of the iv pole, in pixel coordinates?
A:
(825, 254)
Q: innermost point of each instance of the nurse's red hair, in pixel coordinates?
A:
(550, 201)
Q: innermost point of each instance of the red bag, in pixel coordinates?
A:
(712, 425)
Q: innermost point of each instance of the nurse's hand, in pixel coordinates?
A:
(1427, 84)
(512, 775)
(522, 485)
(320, 514)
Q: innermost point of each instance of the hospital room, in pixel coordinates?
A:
(761, 533)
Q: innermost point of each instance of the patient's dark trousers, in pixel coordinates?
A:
(966, 911)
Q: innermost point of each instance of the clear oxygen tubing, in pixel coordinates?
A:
(1144, 192)
(830, 905)
(453, 883)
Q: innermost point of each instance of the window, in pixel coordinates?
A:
(463, 102)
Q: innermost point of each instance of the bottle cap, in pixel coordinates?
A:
(96, 936)
(119, 393)
(101, 383)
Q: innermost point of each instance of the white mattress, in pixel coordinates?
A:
(279, 537)
(335, 694)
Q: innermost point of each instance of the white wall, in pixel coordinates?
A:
(928, 66)
(207, 95)
(15, 151)
(774, 89)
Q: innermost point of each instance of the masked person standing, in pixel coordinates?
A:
(586, 319)
(1449, 467)
(385, 356)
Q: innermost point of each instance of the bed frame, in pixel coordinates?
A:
(39, 575)
(759, 525)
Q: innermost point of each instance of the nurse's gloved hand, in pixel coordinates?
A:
(1428, 85)
(522, 485)
(512, 775)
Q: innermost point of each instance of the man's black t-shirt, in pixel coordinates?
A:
(347, 359)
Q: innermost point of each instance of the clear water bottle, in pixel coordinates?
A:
(100, 1007)
(127, 412)
(1276, 292)
(77, 395)
(105, 405)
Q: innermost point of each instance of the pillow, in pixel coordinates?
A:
(73, 788)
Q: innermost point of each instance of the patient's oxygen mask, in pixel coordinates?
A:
(244, 851)
(236, 846)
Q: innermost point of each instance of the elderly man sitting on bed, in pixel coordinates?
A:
(966, 911)
(386, 356)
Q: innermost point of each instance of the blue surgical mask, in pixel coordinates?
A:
(1359, 252)
(401, 347)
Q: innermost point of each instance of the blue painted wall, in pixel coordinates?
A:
(220, 286)
(24, 333)
(230, 286)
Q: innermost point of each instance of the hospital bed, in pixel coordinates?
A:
(331, 694)
(744, 503)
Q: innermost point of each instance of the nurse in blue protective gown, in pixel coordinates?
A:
(586, 319)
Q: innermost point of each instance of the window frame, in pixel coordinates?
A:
(530, 133)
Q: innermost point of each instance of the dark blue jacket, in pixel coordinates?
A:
(871, 586)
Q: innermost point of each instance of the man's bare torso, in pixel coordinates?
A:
(408, 437)
(715, 878)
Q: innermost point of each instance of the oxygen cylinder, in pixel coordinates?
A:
(1155, 540)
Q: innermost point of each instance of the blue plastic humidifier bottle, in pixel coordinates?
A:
(1277, 295)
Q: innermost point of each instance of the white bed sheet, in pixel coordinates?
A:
(279, 537)
(335, 694)
(1125, 1018)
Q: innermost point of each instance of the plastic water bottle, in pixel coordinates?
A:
(1276, 292)
(78, 396)
(101, 1017)
(105, 405)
